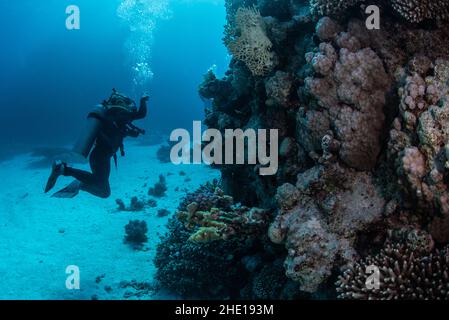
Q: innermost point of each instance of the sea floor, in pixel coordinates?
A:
(40, 236)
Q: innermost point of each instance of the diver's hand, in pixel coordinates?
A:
(145, 98)
(143, 110)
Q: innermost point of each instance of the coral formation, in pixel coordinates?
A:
(152, 203)
(159, 188)
(199, 270)
(134, 206)
(223, 223)
(270, 283)
(163, 213)
(320, 218)
(363, 120)
(406, 273)
(206, 197)
(200, 254)
(350, 85)
(414, 11)
(120, 205)
(418, 141)
(250, 43)
(163, 153)
(331, 7)
(136, 233)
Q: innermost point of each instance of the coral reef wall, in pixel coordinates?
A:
(363, 119)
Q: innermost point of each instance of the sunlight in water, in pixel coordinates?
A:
(142, 17)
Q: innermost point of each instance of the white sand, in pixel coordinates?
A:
(40, 236)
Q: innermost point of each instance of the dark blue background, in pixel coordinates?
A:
(51, 77)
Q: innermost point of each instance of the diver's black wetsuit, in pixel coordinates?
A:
(108, 142)
(97, 182)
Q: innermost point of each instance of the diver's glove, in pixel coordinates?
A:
(133, 131)
(145, 98)
(142, 113)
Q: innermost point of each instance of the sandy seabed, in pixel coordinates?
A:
(40, 236)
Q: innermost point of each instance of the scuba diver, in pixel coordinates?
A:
(107, 126)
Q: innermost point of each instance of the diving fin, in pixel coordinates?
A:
(56, 171)
(69, 192)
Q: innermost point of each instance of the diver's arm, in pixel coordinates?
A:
(133, 131)
(143, 110)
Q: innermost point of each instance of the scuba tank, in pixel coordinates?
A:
(85, 142)
(117, 108)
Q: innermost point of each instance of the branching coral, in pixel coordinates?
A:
(406, 273)
(191, 264)
(412, 10)
(420, 10)
(223, 223)
(206, 197)
(270, 282)
(251, 44)
(331, 7)
(209, 270)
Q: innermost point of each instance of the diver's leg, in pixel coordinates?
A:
(97, 183)
(80, 175)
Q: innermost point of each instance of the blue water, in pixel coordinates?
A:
(51, 77)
